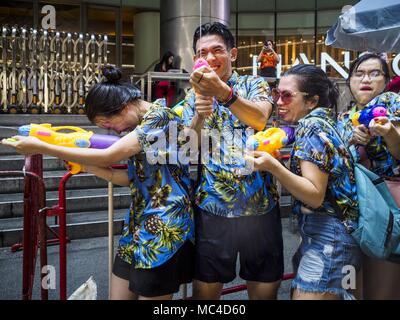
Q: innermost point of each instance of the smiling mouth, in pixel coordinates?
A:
(214, 67)
(282, 112)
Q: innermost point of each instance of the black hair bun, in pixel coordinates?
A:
(111, 73)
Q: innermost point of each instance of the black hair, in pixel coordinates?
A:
(215, 28)
(266, 43)
(109, 97)
(165, 58)
(315, 82)
(356, 63)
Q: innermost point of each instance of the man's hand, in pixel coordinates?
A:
(361, 135)
(204, 105)
(25, 145)
(207, 83)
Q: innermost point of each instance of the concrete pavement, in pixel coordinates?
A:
(89, 257)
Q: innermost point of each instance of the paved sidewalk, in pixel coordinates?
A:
(89, 257)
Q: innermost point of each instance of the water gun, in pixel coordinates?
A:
(200, 63)
(78, 138)
(271, 140)
(365, 115)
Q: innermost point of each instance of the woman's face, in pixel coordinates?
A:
(170, 60)
(290, 101)
(126, 120)
(367, 81)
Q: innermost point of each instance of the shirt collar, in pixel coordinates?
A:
(321, 112)
(233, 79)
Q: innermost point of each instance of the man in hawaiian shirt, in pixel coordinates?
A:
(235, 213)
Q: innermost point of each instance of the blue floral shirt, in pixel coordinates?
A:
(317, 143)
(160, 218)
(222, 191)
(382, 162)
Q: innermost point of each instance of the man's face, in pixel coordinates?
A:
(213, 49)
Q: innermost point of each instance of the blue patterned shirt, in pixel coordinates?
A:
(382, 162)
(317, 143)
(159, 220)
(222, 191)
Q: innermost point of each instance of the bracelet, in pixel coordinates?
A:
(230, 100)
(229, 97)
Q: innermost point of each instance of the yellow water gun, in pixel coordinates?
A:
(78, 138)
(271, 140)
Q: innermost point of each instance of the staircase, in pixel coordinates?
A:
(87, 202)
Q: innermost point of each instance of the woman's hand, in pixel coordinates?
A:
(260, 161)
(25, 145)
(380, 126)
(361, 135)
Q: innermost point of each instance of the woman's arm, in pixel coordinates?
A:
(116, 176)
(123, 149)
(382, 126)
(309, 188)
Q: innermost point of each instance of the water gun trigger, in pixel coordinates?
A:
(73, 168)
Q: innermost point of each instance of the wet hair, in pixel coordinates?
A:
(109, 97)
(315, 82)
(165, 58)
(356, 63)
(215, 28)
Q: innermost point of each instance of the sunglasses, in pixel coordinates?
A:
(285, 95)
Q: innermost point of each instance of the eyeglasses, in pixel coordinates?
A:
(285, 95)
(373, 74)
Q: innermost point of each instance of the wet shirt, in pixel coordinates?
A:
(222, 191)
(382, 162)
(317, 143)
(159, 219)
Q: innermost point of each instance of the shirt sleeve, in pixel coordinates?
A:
(153, 131)
(391, 101)
(188, 108)
(313, 145)
(258, 90)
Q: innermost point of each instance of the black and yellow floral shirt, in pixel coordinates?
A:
(222, 191)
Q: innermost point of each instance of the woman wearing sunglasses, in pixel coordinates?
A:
(377, 148)
(321, 178)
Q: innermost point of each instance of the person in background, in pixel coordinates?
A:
(165, 88)
(377, 148)
(394, 85)
(268, 59)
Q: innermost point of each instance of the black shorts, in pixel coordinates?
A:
(257, 240)
(161, 280)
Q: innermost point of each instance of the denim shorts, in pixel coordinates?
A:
(328, 257)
